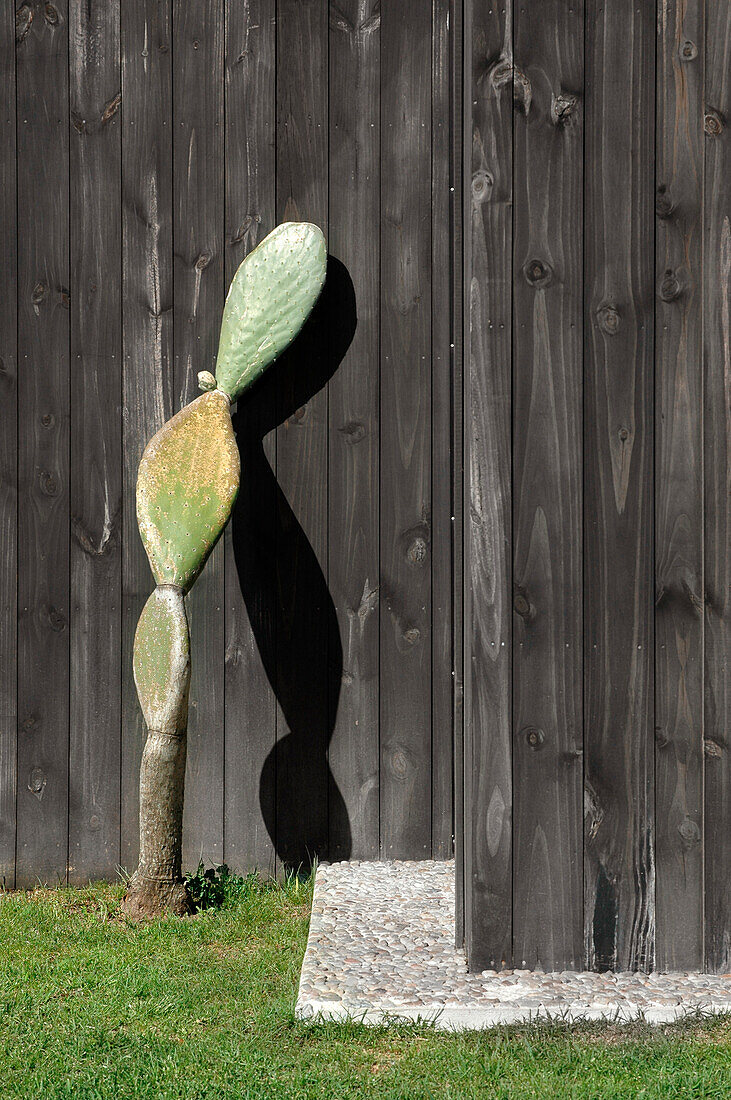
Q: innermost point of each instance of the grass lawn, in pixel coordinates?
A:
(91, 1006)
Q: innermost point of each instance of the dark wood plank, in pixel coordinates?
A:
(406, 527)
(96, 444)
(307, 678)
(198, 180)
(547, 461)
(43, 445)
(679, 489)
(353, 550)
(442, 741)
(8, 451)
(488, 555)
(147, 330)
(619, 908)
(250, 112)
(458, 198)
(717, 464)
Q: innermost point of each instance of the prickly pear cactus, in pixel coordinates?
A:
(270, 298)
(186, 487)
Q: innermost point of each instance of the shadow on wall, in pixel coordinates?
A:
(290, 608)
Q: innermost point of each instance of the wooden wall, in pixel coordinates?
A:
(147, 146)
(597, 262)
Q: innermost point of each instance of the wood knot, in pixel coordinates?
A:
(712, 749)
(713, 123)
(51, 15)
(56, 620)
(416, 553)
(353, 432)
(688, 51)
(47, 420)
(412, 635)
(203, 261)
(563, 107)
(48, 483)
(37, 781)
(538, 274)
(111, 108)
(608, 319)
(482, 185)
(663, 202)
(23, 22)
(39, 292)
(521, 603)
(623, 435)
(534, 737)
(670, 287)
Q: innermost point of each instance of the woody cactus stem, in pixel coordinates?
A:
(186, 487)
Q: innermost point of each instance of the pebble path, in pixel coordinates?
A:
(381, 945)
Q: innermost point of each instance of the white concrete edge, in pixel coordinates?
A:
(454, 1018)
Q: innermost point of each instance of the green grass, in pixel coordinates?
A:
(91, 1006)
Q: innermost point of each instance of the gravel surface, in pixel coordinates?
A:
(381, 945)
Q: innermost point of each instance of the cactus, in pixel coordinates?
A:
(186, 487)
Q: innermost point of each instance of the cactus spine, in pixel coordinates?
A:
(186, 487)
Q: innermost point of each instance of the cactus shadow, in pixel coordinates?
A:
(290, 608)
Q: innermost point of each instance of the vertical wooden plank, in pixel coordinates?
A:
(8, 451)
(307, 674)
(488, 555)
(96, 459)
(619, 907)
(353, 551)
(679, 488)
(406, 520)
(198, 181)
(250, 114)
(717, 462)
(147, 331)
(456, 214)
(43, 452)
(442, 758)
(547, 413)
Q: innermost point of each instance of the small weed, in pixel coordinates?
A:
(214, 887)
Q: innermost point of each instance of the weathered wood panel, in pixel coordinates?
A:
(717, 466)
(442, 323)
(198, 228)
(353, 499)
(250, 112)
(405, 416)
(547, 474)
(488, 541)
(308, 661)
(619, 906)
(8, 450)
(679, 488)
(147, 331)
(96, 438)
(43, 444)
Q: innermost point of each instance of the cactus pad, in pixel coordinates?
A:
(269, 300)
(186, 486)
(162, 660)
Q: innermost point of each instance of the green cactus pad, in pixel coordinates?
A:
(161, 660)
(186, 486)
(269, 300)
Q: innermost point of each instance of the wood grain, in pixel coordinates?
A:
(679, 488)
(547, 468)
(353, 449)
(619, 906)
(250, 113)
(305, 683)
(488, 506)
(405, 479)
(96, 439)
(198, 232)
(8, 451)
(442, 756)
(717, 466)
(43, 445)
(147, 331)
